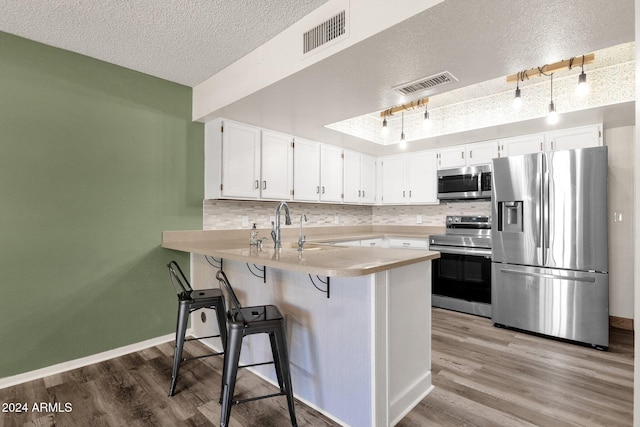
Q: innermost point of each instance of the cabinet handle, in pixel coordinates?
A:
(359, 193)
(405, 244)
(264, 185)
(462, 154)
(362, 193)
(471, 154)
(257, 184)
(403, 193)
(409, 193)
(323, 189)
(552, 147)
(541, 149)
(317, 189)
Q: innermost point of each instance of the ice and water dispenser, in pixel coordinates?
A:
(510, 217)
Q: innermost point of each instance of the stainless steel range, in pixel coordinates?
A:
(461, 278)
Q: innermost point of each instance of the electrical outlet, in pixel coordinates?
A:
(336, 219)
(418, 219)
(617, 217)
(245, 221)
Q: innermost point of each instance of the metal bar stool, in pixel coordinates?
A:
(243, 321)
(190, 300)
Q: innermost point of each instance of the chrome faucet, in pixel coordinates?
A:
(302, 239)
(275, 231)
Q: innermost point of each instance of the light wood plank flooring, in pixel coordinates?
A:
(484, 376)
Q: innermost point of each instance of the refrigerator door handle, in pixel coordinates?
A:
(546, 214)
(587, 279)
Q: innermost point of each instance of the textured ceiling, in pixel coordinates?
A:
(187, 41)
(476, 41)
(184, 41)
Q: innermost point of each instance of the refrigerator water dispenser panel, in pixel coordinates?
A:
(510, 217)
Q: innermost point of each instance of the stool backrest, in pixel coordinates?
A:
(226, 286)
(179, 280)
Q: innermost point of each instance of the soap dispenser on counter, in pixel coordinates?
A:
(253, 238)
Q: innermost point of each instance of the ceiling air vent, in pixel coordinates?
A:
(426, 83)
(330, 29)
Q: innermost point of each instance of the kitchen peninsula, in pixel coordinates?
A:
(358, 318)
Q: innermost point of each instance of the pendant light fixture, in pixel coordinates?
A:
(582, 88)
(426, 123)
(552, 118)
(517, 101)
(403, 143)
(385, 127)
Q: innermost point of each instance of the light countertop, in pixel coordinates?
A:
(317, 258)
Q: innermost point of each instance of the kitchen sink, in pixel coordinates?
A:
(309, 246)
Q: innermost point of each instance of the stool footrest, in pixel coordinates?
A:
(201, 338)
(203, 356)
(256, 364)
(251, 399)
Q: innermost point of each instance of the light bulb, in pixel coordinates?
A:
(403, 144)
(552, 118)
(517, 101)
(426, 123)
(385, 128)
(582, 88)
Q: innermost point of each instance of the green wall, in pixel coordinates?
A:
(96, 161)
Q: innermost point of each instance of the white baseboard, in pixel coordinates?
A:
(84, 361)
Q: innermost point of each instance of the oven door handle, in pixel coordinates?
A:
(461, 251)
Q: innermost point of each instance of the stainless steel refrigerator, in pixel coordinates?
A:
(550, 244)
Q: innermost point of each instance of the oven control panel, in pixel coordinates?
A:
(471, 221)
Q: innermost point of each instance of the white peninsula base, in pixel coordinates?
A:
(362, 357)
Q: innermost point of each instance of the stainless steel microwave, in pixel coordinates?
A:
(473, 182)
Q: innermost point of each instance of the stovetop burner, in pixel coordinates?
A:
(465, 232)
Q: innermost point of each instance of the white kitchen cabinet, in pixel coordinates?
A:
(452, 157)
(276, 166)
(375, 242)
(232, 160)
(481, 153)
(525, 144)
(358, 178)
(569, 139)
(245, 162)
(422, 180)
(317, 172)
(410, 178)
(368, 178)
(408, 243)
(306, 170)
(393, 180)
(330, 173)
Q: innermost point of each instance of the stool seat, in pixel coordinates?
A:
(244, 321)
(190, 300)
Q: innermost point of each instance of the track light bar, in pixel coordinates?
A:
(552, 68)
(405, 107)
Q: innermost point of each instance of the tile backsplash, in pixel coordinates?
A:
(229, 214)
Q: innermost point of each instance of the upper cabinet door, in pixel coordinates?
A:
(277, 166)
(306, 170)
(518, 145)
(352, 187)
(330, 173)
(453, 157)
(422, 177)
(393, 180)
(569, 139)
(240, 148)
(367, 179)
(481, 153)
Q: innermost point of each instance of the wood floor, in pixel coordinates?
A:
(484, 376)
